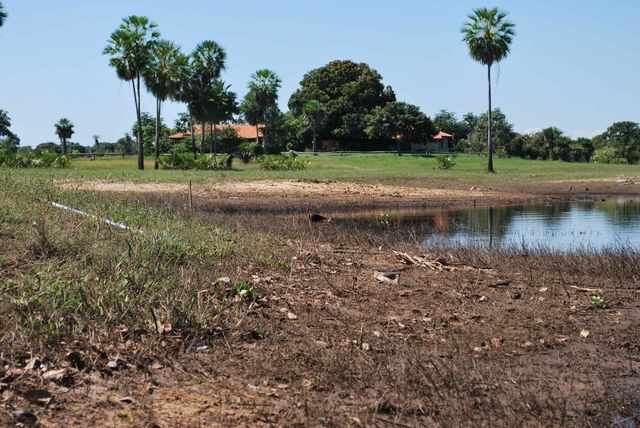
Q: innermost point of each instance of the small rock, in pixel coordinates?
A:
(365, 347)
(584, 332)
(516, 295)
(543, 289)
(496, 342)
(292, 316)
(391, 278)
(478, 349)
(527, 344)
(112, 365)
(321, 344)
(482, 299)
(376, 333)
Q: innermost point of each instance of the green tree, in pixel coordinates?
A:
(263, 87)
(148, 133)
(348, 91)
(182, 122)
(164, 78)
(251, 112)
(314, 115)
(624, 137)
(501, 131)
(64, 131)
(3, 15)
(399, 121)
(207, 62)
(219, 106)
(130, 50)
(10, 139)
(488, 36)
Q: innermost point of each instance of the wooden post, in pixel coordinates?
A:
(190, 198)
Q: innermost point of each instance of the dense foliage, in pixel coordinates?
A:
(184, 161)
(34, 159)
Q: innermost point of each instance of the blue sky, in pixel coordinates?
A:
(574, 63)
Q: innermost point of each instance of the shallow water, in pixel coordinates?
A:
(580, 225)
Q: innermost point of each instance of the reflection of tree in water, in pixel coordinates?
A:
(623, 213)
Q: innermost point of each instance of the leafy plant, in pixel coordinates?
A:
(210, 162)
(288, 162)
(597, 301)
(383, 219)
(244, 291)
(34, 159)
(444, 161)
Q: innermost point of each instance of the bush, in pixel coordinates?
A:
(289, 162)
(34, 159)
(608, 155)
(445, 161)
(247, 151)
(177, 160)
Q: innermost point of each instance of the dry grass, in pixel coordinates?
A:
(494, 339)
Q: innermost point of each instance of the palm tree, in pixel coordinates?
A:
(208, 62)
(64, 131)
(220, 106)
(3, 15)
(264, 87)
(314, 113)
(488, 35)
(251, 112)
(130, 50)
(164, 78)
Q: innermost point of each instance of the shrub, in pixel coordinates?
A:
(445, 161)
(177, 160)
(288, 162)
(608, 155)
(34, 159)
(247, 151)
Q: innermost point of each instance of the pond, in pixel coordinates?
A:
(565, 226)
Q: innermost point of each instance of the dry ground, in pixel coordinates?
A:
(467, 338)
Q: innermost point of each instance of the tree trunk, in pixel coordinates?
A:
(203, 127)
(64, 146)
(193, 136)
(215, 142)
(398, 146)
(136, 90)
(489, 140)
(315, 142)
(158, 108)
(257, 134)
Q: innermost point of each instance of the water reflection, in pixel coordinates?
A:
(560, 226)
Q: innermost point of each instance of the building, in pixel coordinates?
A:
(440, 143)
(244, 130)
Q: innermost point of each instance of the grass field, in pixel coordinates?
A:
(241, 318)
(355, 167)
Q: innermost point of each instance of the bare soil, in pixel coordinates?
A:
(467, 337)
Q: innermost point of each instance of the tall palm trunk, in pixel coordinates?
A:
(315, 142)
(193, 135)
(64, 145)
(215, 141)
(489, 141)
(136, 95)
(203, 128)
(257, 135)
(158, 108)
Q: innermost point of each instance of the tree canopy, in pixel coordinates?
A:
(64, 131)
(348, 91)
(399, 121)
(3, 15)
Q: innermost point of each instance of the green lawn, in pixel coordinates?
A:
(353, 167)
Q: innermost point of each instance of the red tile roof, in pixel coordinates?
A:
(244, 130)
(440, 135)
